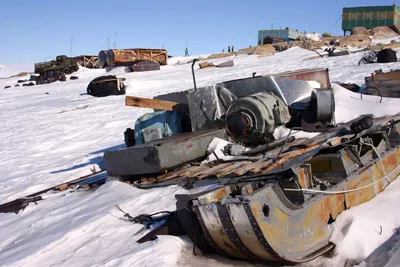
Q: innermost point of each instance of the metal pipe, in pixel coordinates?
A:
(194, 77)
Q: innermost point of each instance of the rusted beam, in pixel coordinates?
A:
(140, 102)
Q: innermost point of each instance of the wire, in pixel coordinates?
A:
(379, 156)
(335, 23)
(350, 190)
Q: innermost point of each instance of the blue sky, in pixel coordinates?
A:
(33, 31)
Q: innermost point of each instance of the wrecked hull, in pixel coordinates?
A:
(277, 207)
(266, 226)
(282, 210)
(245, 231)
(279, 220)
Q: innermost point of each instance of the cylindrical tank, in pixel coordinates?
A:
(252, 120)
(102, 58)
(126, 56)
(118, 56)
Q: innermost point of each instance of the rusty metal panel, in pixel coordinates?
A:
(281, 225)
(228, 170)
(213, 171)
(212, 221)
(242, 226)
(390, 162)
(355, 198)
(304, 175)
(232, 169)
(376, 174)
(320, 75)
(214, 196)
(349, 160)
(284, 225)
(258, 166)
(251, 167)
(398, 155)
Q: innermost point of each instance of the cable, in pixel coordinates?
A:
(379, 156)
(335, 23)
(340, 192)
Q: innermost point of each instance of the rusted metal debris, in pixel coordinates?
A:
(275, 202)
(87, 181)
(281, 210)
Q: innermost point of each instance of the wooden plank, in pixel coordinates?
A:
(395, 75)
(213, 170)
(105, 80)
(140, 102)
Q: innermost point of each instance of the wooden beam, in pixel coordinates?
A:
(106, 80)
(140, 102)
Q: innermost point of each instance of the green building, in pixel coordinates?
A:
(369, 17)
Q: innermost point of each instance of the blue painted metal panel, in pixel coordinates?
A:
(168, 123)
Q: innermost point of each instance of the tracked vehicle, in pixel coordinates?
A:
(55, 70)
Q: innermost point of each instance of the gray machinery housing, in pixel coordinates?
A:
(249, 109)
(252, 108)
(252, 120)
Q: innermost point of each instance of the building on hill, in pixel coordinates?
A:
(369, 17)
(270, 36)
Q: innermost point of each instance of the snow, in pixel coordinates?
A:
(56, 132)
(313, 36)
(216, 147)
(386, 40)
(13, 69)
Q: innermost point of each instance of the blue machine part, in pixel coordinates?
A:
(153, 126)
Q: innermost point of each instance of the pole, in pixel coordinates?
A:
(108, 43)
(194, 77)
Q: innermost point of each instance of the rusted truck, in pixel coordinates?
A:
(126, 57)
(55, 70)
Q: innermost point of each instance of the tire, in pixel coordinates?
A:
(104, 89)
(386, 56)
(322, 106)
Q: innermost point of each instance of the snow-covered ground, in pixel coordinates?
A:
(54, 133)
(13, 69)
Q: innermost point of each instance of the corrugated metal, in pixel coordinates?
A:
(370, 16)
(262, 165)
(370, 9)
